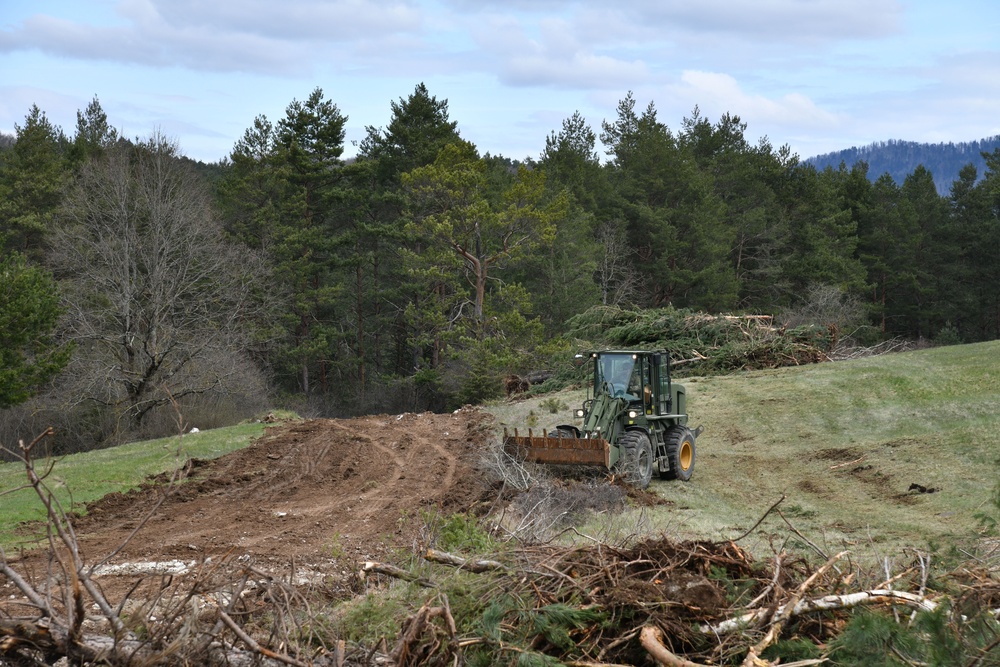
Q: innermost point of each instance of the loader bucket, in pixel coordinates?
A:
(551, 449)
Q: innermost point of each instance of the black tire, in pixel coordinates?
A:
(680, 453)
(635, 463)
(562, 433)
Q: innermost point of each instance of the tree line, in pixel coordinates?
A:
(417, 274)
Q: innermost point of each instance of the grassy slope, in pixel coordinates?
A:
(91, 475)
(930, 417)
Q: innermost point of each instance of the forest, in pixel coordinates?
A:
(139, 285)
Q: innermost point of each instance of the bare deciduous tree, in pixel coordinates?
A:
(157, 301)
(616, 275)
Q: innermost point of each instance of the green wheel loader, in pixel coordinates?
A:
(634, 421)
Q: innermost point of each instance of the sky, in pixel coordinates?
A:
(816, 75)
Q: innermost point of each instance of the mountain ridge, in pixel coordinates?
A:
(899, 158)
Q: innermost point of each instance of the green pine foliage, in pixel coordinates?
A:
(938, 638)
(30, 356)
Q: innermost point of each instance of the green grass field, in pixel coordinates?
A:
(843, 441)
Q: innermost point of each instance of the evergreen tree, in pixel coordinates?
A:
(749, 181)
(822, 236)
(452, 214)
(935, 254)
(418, 129)
(93, 133)
(309, 141)
(985, 249)
(889, 237)
(561, 277)
(32, 176)
(673, 218)
(968, 287)
(29, 311)
(283, 193)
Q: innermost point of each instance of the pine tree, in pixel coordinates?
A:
(29, 309)
(673, 219)
(32, 177)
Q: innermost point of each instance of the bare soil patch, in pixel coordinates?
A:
(310, 492)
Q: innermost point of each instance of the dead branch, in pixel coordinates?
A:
(395, 572)
(414, 630)
(785, 612)
(801, 536)
(681, 362)
(841, 465)
(477, 566)
(761, 519)
(26, 589)
(774, 581)
(652, 640)
(827, 603)
(254, 646)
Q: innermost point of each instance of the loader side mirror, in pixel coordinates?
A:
(580, 359)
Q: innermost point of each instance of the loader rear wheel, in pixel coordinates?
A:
(680, 453)
(636, 462)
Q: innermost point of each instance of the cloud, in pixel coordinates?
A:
(339, 20)
(224, 36)
(786, 20)
(552, 57)
(718, 93)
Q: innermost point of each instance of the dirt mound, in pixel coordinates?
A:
(311, 492)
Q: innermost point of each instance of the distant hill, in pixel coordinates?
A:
(900, 158)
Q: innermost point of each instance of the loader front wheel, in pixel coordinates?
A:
(680, 453)
(636, 462)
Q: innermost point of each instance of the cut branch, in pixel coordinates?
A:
(396, 572)
(827, 603)
(469, 565)
(652, 640)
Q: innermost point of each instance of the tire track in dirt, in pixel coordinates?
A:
(399, 490)
(307, 489)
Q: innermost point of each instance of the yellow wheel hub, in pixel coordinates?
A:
(686, 454)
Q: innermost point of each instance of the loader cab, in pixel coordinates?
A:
(641, 378)
(636, 377)
(617, 374)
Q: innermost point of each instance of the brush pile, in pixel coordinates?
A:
(708, 343)
(679, 604)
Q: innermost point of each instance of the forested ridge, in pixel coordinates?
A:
(899, 159)
(419, 274)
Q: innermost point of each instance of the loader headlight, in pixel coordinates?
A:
(632, 414)
(579, 413)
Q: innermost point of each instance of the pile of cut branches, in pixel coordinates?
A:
(679, 604)
(706, 343)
